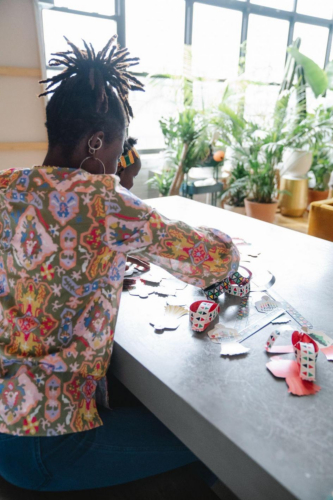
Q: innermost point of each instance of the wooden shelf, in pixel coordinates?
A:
(16, 71)
(23, 146)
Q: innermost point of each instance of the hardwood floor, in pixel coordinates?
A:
(299, 224)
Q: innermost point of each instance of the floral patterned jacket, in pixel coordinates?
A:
(64, 236)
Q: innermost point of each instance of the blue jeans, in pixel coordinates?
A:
(132, 444)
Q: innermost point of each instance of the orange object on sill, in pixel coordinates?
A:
(218, 156)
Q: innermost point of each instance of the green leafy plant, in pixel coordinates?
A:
(315, 133)
(322, 166)
(187, 140)
(260, 183)
(162, 181)
(255, 152)
(237, 190)
(318, 79)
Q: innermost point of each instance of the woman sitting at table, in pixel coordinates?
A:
(66, 228)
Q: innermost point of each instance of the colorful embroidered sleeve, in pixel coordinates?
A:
(199, 256)
(64, 237)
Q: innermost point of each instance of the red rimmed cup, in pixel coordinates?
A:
(202, 313)
(298, 337)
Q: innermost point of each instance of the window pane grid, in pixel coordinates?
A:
(215, 54)
(104, 7)
(316, 8)
(75, 27)
(313, 41)
(213, 28)
(266, 49)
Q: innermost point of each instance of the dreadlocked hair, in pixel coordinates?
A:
(90, 94)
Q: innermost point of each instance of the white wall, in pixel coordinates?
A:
(22, 114)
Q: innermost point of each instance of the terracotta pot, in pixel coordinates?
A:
(261, 211)
(314, 195)
(237, 210)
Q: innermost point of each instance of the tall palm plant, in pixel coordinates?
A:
(186, 137)
(255, 151)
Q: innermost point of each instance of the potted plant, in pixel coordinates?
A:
(315, 133)
(258, 156)
(317, 129)
(255, 152)
(162, 181)
(320, 173)
(234, 195)
(261, 202)
(186, 138)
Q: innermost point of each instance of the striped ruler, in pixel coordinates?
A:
(260, 323)
(290, 310)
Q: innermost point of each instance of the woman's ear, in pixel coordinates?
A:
(97, 140)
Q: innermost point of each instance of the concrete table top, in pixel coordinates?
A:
(261, 441)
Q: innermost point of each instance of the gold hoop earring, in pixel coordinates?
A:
(92, 158)
(92, 151)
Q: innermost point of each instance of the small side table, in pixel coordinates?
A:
(188, 189)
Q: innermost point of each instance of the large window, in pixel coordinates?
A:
(317, 8)
(276, 4)
(266, 48)
(58, 24)
(155, 33)
(105, 7)
(213, 42)
(314, 41)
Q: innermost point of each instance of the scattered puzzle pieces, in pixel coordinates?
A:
(233, 349)
(221, 333)
(266, 304)
(141, 290)
(289, 370)
(170, 319)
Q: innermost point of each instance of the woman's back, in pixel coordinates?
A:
(64, 236)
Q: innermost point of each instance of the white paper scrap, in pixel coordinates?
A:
(233, 349)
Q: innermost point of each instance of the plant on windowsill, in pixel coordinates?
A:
(260, 183)
(234, 195)
(255, 153)
(186, 139)
(261, 202)
(162, 181)
(258, 155)
(319, 175)
(315, 133)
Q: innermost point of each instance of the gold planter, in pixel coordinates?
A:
(295, 203)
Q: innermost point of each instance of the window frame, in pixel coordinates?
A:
(245, 7)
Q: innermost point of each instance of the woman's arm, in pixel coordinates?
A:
(199, 256)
